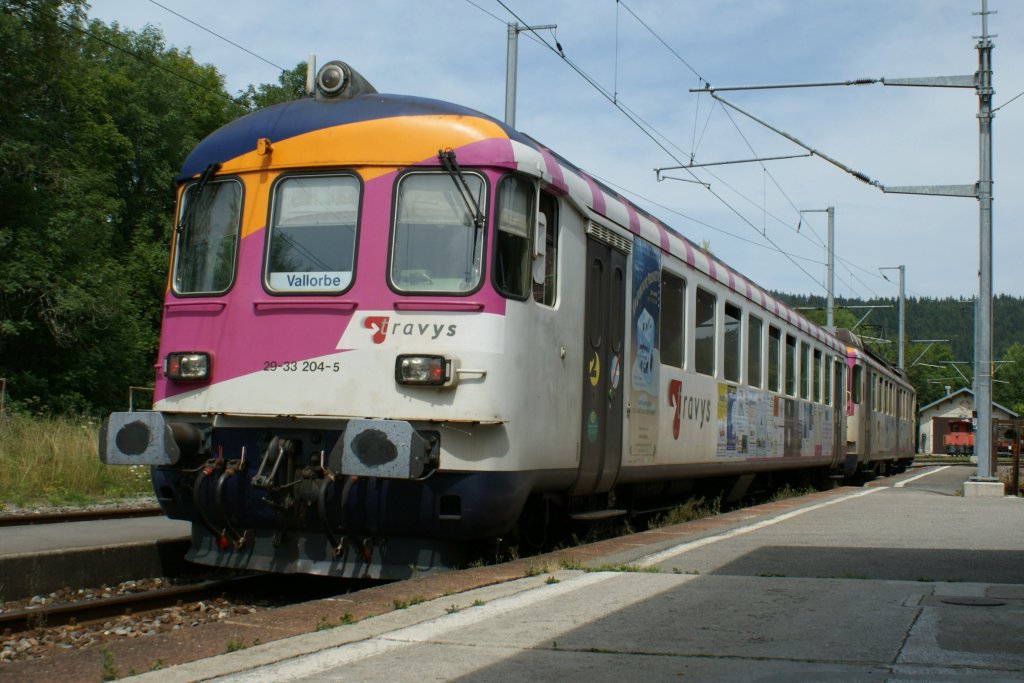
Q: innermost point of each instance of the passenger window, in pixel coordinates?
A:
(516, 211)
(790, 365)
(436, 247)
(754, 344)
(544, 292)
(704, 334)
(208, 239)
(673, 319)
(311, 242)
(830, 375)
(733, 318)
(816, 372)
(805, 366)
(856, 381)
(774, 354)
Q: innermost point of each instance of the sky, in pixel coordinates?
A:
(645, 56)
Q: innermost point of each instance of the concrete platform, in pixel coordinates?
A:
(906, 580)
(45, 557)
(883, 583)
(39, 538)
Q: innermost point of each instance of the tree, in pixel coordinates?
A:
(291, 85)
(95, 123)
(1008, 384)
(932, 372)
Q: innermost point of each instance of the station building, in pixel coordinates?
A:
(949, 414)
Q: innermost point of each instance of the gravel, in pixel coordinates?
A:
(46, 641)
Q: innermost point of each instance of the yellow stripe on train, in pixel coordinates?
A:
(390, 143)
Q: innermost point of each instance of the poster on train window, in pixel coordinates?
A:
(644, 347)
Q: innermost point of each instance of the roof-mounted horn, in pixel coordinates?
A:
(336, 80)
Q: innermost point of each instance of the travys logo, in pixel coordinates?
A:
(420, 332)
(383, 327)
(378, 323)
(690, 408)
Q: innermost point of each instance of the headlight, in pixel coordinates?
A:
(189, 366)
(424, 370)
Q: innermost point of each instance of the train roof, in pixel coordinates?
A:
(855, 348)
(479, 139)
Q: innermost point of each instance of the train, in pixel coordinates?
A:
(395, 327)
(960, 439)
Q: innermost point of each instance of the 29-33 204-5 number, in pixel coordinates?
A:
(301, 366)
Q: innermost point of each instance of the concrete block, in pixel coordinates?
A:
(987, 489)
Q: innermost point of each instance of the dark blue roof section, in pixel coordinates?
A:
(289, 119)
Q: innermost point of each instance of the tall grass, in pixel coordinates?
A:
(692, 509)
(54, 461)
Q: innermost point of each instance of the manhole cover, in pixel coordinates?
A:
(974, 602)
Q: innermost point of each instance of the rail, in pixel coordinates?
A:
(17, 621)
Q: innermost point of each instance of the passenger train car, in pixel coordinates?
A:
(395, 325)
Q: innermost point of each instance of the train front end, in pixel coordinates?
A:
(330, 396)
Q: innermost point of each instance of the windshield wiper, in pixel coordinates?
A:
(448, 163)
(204, 178)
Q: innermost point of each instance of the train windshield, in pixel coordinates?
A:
(436, 246)
(207, 238)
(312, 238)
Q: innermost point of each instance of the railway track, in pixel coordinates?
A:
(26, 519)
(79, 612)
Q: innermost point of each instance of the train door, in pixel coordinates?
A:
(897, 404)
(604, 325)
(867, 414)
(838, 414)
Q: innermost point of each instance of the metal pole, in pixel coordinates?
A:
(903, 316)
(511, 64)
(1015, 473)
(902, 311)
(983, 340)
(830, 314)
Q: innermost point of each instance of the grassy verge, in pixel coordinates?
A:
(53, 461)
(692, 509)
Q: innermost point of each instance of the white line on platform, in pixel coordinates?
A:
(654, 559)
(325, 661)
(901, 484)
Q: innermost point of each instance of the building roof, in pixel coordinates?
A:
(967, 392)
